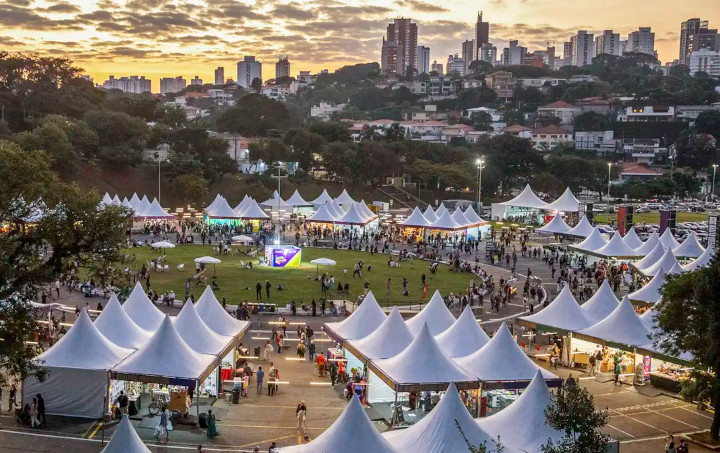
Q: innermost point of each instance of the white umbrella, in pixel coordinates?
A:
(208, 260)
(242, 238)
(162, 245)
(322, 262)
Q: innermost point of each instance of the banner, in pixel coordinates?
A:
(622, 211)
(664, 221)
(712, 231)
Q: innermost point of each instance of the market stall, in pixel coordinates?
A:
(220, 213)
(526, 207)
(141, 310)
(117, 326)
(125, 439)
(435, 314)
(555, 226)
(583, 228)
(464, 337)
(565, 203)
(690, 247)
(366, 317)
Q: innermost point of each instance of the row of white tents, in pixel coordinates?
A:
(567, 202)
(355, 213)
(443, 219)
(141, 207)
(134, 341)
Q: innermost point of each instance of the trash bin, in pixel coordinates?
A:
(257, 351)
(236, 396)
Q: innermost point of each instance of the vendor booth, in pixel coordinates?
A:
(565, 203)
(366, 317)
(117, 326)
(435, 314)
(583, 229)
(526, 207)
(464, 337)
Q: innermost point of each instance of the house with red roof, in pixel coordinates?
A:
(548, 137)
(562, 110)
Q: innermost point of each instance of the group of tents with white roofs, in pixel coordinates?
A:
(133, 341)
(141, 208)
(443, 219)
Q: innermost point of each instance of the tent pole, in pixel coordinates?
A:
(479, 401)
(394, 412)
(634, 366)
(197, 404)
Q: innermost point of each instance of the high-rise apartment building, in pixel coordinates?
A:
(132, 84)
(172, 84)
(583, 48)
(436, 67)
(482, 35)
(196, 81)
(422, 59)
(513, 55)
(220, 76)
(641, 41)
(456, 64)
(467, 54)
(687, 29)
(248, 70)
(399, 47)
(704, 60)
(608, 43)
(488, 52)
(282, 68)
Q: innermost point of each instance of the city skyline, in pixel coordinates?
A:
(163, 38)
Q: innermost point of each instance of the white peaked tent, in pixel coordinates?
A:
(134, 201)
(526, 199)
(622, 326)
(78, 366)
(601, 304)
(209, 208)
(252, 211)
(416, 220)
(435, 314)
(361, 322)
(445, 222)
(197, 334)
(222, 210)
(323, 198)
(241, 206)
(334, 209)
(667, 261)
(117, 326)
(353, 217)
(322, 215)
(652, 257)
(338, 208)
(531, 432)
(565, 203)
(429, 214)
(472, 216)
(632, 240)
(144, 199)
(352, 432)
(386, 341)
(650, 293)
(591, 243)
(648, 319)
(297, 201)
(562, 313)
(668, 240)
(125, 439)
(116, 201)
(422, 366)
(677, 269)
(616, 247)
(555, 226)
(215, 316)
(649, 245)
(141, 310)
(438, 431)
(583, 229)
(345, 198)
(363, 207)
(155, 211)
(440, 210)
(690, 247)
(460, 218)
(464, 337)
(502, 360)
(701, 261)
(166, 357)
(126, 204)
(106, 200)
(275, 202)
(142, 207)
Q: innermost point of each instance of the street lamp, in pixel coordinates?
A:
(609, 166)
(157, 156)
(479, 162)
(713, 186)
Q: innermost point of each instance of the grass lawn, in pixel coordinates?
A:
(237, 284)
(654, 217)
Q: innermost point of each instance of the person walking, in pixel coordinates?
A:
(311, 351)
(40, 409)
(12, 398)
(33, 413)
(300, 415)
(162, 426)
(259, 375)
(267, 351)
(123, 402)
(212, 431)
(258, 291)
(617, 374)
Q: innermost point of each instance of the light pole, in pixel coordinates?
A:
(609, 166)
(479, 162)
(157, 156)
(713, 186)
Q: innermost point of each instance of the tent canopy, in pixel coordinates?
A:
(155, 211)
(622, 326)
(207, 260)
(296, 200)
(323, 198)
(701, 261)
(345, 198)
(632, 240)
(435, 314)
(275, 202)
(197, 334)
(650, 293)
(601, 304)
(353, 216)
(430, 215)
(473, 216)
(416, 219)
(649, 244)
(362, 322)
(222, 210)
(652, 257)
(562, 313)
(208, 209)
(125, 439)
(668, 240)
(615, 248)
(445, 221)
(143, 312)
(690, 247)
(460, 218)
(555, 226)
(464, 337)
(526, 199)
(591, 243)
(583, 229)
(215, 316)
(322, 215)
(566, 203)
(667, 261)
(422, 365)
(162, 245)
(117, 326)
(386, 341)
(252, 211)
(502, 360)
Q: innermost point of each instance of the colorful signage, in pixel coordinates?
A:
(283, 256)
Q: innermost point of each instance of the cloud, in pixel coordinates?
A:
(60, 8)
(21, 17)
(293, 12)
(421, 6)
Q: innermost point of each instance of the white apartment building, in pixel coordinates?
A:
(488, 52)
(648, 114)
(705, 60)
(513, 55)
(325, 110)
(455, 64)
(641, 41)
(280, 92)
(562, 110)
(600, 141)
(583, 48)
(248, 70)
(132, 84)
(220, 76)
(172, 84)
(422, 57)
(608, 43)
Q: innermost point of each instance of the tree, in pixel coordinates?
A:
(572, 411)
(120, 136)
(331, 131)
(591, 121)
(256, 84)
(53, 140)
(708, 122)
(254, 115)
(37, 212)
(304, 145)
(697, 151)
(172, 115)
(689, 321)
(191, 188)
(195, 151)
(368, 99)
(511, 158)
(480, 67)
(481, 121)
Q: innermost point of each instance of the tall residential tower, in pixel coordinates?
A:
(399, 47)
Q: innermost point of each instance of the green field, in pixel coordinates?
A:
(238, 284)
(653, 217)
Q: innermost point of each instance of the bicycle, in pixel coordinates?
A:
(159, 403)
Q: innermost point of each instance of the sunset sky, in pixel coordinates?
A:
(159, 38)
